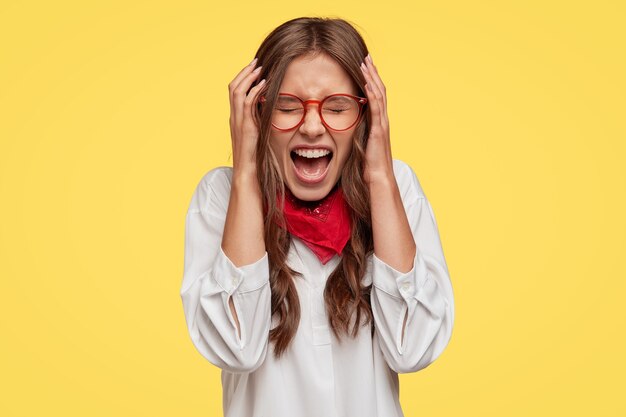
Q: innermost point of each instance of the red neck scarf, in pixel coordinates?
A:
(324, 225)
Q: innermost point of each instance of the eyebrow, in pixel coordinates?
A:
(322, 97)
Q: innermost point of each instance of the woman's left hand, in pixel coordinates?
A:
(379, 163)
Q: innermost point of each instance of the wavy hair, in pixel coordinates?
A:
(346, 300)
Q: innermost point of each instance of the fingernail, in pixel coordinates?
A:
(369, 57)
(257, 69)
(254, 60)
(363, 67)
(262, 81)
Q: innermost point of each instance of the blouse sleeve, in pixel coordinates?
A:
(424, 294)
(210, 279)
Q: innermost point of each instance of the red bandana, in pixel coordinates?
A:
(324, 225)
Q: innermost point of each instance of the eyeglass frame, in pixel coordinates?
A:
(361, 101)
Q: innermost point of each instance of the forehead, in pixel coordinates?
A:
(315, 77)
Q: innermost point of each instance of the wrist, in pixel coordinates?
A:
(381, 180)
(245, 179)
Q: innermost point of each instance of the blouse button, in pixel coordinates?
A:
(234, 280)
(406, 285)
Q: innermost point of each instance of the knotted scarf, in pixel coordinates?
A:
(323, 225)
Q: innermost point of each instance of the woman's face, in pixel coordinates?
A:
(308, 177)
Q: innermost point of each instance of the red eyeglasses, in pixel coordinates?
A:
(337, 111)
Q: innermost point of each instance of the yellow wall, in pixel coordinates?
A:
(512, 116)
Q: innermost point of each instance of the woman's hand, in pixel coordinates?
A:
(244, 132)
(379, 163)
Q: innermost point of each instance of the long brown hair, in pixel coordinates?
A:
(344, 295)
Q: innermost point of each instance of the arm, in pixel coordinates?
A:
(243, 240)
(227, 304)
(234, 293)
(413, 310)
(412, 305)
(393, 240)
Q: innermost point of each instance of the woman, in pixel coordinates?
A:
(313, 234)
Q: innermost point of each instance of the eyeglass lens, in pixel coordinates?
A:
(338, 112)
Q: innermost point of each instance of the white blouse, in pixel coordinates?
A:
(317, 376)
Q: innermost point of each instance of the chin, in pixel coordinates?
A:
(308, 193)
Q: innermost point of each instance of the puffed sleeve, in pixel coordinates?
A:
(210, 279)
(424, 294)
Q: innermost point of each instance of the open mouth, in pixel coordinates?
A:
(311, 165)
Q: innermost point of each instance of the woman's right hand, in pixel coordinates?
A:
(244, 131)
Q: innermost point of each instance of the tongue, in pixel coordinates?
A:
(311, 167)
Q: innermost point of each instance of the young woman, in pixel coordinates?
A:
(314, 272)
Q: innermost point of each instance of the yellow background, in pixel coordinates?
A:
(510, 113)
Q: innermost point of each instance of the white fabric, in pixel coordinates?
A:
(317, 376)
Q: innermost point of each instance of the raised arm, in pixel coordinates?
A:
(411, 296)
(213, 285)
(226, 292)
(243, 240)
(413, 307)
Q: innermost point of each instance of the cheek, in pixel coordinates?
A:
(345, 148)
(278, 148)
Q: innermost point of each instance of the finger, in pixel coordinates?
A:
(245, 83)
(377, 80)
(372, 97)
(384, 120)
(251, 99)
(239, 94)
(233, 85)
(242, 74)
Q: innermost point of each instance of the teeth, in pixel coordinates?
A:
(312, 153)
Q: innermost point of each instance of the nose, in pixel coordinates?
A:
(312, 125)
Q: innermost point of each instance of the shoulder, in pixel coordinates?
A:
(408, 183)
(213, 190)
